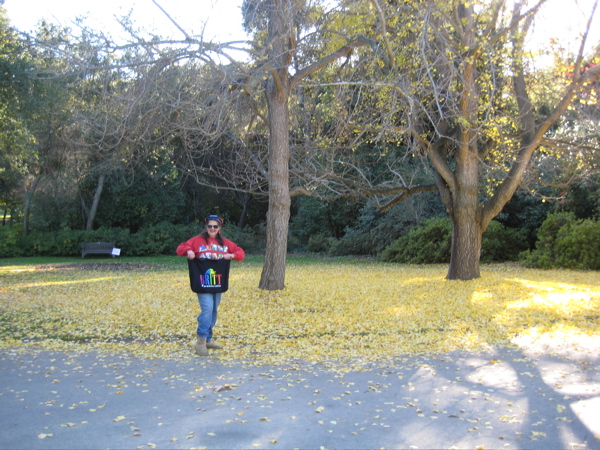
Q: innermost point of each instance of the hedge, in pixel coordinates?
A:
(160, 239)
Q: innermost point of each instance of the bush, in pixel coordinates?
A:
(543, 256)
(251, 240)
(11, 241)
(428, 243)
(578, 245)
(565, 242)
(153, 240)
(431, 242)
(58, 243)
(353, 243)
(500, 243)
(319, 243)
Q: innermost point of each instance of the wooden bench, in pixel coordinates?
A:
(97, 248)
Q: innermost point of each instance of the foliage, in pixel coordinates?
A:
(583, 199)
(68, 242)
(526, 213)
(567, 242)
(412, 109)
(430, 242)
(16, 140)
(57, 205)
(252, 240)
(151, 240)
(319, 243)
(372, 231)
(477, 119)
(543, 256)
(58, 243)
(10, 241)
(356, 242)
(160, 239)
(144, 307)
(315, 221)
(149, 196)
(500, 243)
(578, 245)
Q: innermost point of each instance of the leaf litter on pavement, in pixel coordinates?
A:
(342, 314)
(345, 311)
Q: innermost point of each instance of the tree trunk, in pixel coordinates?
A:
(466, 246)
(28, 200)
(242, 221)
(467, 228)
(466, 224)
(95, 203)
(278, 215)
(277, 92)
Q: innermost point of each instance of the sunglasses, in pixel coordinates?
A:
(213, 226)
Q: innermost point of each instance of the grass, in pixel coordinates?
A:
(338, 309)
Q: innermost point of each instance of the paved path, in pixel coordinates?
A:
(506, 398)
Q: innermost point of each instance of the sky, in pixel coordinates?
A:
(222, 18)
(217, 18)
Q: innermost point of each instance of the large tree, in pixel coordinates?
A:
(283, 30)
(35, 110)
(455, 86)
(218, 109)
(17, 144)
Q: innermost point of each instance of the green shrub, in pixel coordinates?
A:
(57, 243)
(11, 241)
(544, 254)
(319, 243)
(251, 240)
(577, 246)
(565, 242)
(152, 240)
(68, 242)
(120, 236)
(428, 243)
(431, 242)
(355, 243)
(500, 243)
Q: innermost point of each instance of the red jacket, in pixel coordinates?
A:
(197, 242)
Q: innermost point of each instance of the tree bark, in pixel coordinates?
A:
(469, 218)
(466, 239)
(94, 208)
(466, 229)
(466, 224)
(28, 201)
(277, 93)
(242, 220)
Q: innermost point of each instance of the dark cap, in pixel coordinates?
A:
(213, 217)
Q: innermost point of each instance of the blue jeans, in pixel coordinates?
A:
(209, 304)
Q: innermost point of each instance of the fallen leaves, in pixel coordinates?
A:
(225, 387)
(398, 309)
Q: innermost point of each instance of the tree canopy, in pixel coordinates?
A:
(362, 100)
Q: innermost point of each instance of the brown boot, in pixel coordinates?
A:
(212, 345)
(201, 347)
